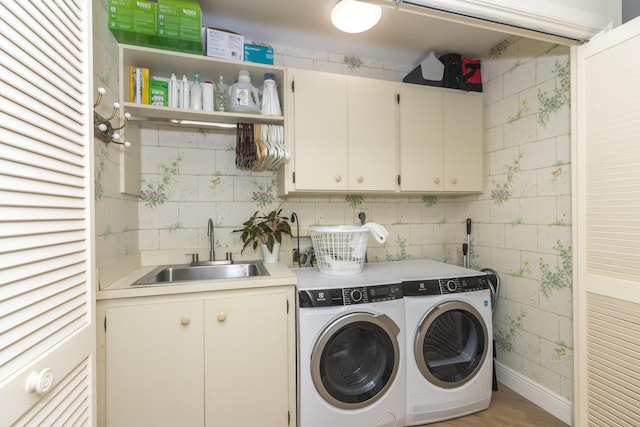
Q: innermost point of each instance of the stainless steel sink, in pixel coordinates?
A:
(189, 273)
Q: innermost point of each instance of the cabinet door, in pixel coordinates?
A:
(247, 372)
(421, 139)
(372, 138)
(462, 141)
(320, 130)
(154, 364)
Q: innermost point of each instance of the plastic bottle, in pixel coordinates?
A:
(221, 101)
(207, 95)
(270, 103)
(173, 92)
(196, 93)
(243, 95)
(185, 92)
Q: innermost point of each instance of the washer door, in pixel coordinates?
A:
(451, 344)
(355, 360)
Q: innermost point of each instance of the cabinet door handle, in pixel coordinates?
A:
(338, 178)
(454, 180)
(360, 179)
(436, 180)
(222, 316)
(185, 319)
(40, 382)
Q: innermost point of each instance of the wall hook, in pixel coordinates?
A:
(102, 127)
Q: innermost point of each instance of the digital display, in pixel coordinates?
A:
(382, 291)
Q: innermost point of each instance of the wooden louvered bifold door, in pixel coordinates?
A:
(606, 249)
(46, 329)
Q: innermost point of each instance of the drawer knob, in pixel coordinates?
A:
(222, 316)
(436, 180)
(454, 180)
(360, 179)
(185, 319)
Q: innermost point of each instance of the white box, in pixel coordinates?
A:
(224, 44)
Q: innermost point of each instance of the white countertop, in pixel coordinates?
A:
(279, 275)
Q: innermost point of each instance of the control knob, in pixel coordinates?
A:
(356, 295)
(452, 286)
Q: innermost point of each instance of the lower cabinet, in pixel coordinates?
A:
(224, 358)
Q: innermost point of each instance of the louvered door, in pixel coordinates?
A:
(606, 113)
(46, 331)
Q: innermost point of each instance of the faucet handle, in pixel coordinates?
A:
(194, 258)
(230, 257)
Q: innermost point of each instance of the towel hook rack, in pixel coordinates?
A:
(103, 129)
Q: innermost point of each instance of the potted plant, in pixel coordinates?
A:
(265, 230)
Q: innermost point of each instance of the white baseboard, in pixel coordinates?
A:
(553, 403)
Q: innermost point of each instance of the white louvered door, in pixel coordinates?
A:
(46, 237)
(606, 137)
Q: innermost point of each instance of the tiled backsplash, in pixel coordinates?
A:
(521, 224)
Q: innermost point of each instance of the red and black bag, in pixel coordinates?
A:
(471, 78)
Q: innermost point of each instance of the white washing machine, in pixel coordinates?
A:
(449, 337)
(351, 364)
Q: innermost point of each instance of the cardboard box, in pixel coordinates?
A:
(139, 85)
(225, 44)
(258, 54)
(180, 25)
(158, 92)
(134, 22)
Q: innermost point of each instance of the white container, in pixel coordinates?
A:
(195, 100)
(174, 90)
(207, 96)
(270, 102)
(185, 93)
(340, 251)
(243, 95)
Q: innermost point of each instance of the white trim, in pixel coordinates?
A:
(558, 406)
(540, 16)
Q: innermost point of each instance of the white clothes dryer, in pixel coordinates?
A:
(448, 326)
(351, 364)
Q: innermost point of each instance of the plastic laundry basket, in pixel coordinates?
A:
(340, 250)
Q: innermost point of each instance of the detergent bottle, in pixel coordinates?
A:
(243, 95)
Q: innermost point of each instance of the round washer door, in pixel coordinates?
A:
(451, 344)
(355, 360)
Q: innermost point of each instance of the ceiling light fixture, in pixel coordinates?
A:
(352, 16)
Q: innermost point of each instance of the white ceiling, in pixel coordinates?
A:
(399, 37)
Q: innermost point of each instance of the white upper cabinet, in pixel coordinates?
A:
(372, 135)
(463, 151)
(440, 140)
(342, 130)
(421, 138)
(318, 127)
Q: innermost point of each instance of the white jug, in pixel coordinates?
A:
(243, 96)
(270, 102)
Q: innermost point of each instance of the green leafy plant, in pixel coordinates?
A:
(354, 200)
(550, 104)
(264, 229)
(561, 277)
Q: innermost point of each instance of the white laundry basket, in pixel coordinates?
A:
(340, 250)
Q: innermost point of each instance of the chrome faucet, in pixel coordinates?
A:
(212, 252)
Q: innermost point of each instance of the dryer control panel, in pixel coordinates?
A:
(445, 286)
(349, 296)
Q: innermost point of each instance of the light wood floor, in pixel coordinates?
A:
(507, 409)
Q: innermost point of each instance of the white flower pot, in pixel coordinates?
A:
(270, 257)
